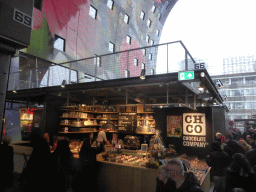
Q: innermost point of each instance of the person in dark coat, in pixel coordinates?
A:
(6, 162)
(251, 157)
(185, 181)
(88, 168)
(251, 140)
(37, 175)
(64, 166)
(163, 183)
(240, 174)
(232, 147)
(218, 160)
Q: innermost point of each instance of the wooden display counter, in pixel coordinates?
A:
(116, 177)
(113, 177)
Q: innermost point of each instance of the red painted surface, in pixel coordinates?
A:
(37, 19)
(70, 20)
(123, 58)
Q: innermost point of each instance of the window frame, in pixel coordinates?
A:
(143, 65)
(159, 16)
(112, 5)
(150, 56)
(64, 43)
(144, 52)
(127, 73)
(128, 18)
(153, 9)
(147, 38)
(151, 42)
(142, 17)
(136, 62)
(152, 71)
(96, 12)
(128, 39)
(110, 43)
(38, 4)
(157, 32)
(149, 23)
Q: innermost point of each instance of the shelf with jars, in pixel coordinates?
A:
(85, 117)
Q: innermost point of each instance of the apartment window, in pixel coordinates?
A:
(38, 4)
(110, 4)
(128, 39)
(97, 61)
(93, 12)
(149, 56)
(143, 66)
(136, 61)
(147, 38)
(142, 15)
(153, 9)
(59, 43)
(127, 73)
(126, 18)
(158, 16)
(144, 52)
(152, 71)
(151, 42)
(111, 47)
(157, 32)
(149, 23)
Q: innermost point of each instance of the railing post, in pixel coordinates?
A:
(36, 75)
(48, 78)
(186, 60)
(95, 64)
(128, 73)
(69, 79)
(167, 58)
(30, 79)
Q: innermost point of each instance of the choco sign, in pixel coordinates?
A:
(194, 124)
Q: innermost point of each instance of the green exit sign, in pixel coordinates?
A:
(187, 75)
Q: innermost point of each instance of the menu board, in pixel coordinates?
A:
(127, 122)
(174, 126)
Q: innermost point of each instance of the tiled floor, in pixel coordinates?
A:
(15, 187)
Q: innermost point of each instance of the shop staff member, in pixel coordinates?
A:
(101, 139)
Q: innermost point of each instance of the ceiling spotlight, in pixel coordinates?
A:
(200, 88)
(63, 83)
(15, 89)
(202, 74)
(143, 74)
(161, 85)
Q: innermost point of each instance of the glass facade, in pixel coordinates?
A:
(241, 95)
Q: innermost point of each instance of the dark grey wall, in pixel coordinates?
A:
(220, 120)
(161, 124)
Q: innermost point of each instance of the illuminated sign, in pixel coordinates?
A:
(194, 124)
(194, 130)
(187, 75)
